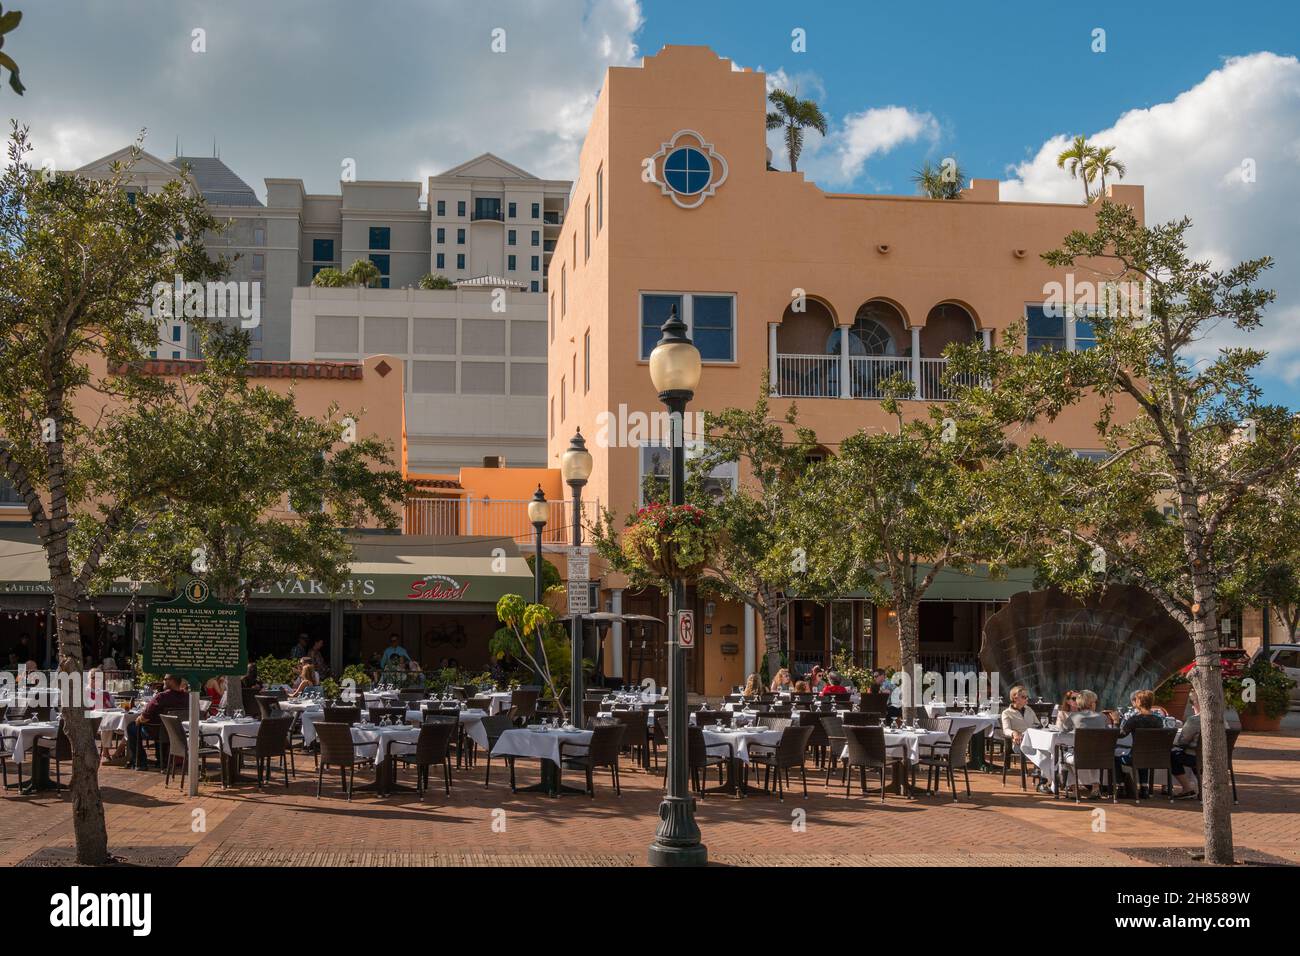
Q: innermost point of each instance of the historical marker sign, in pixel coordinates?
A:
(195, 635)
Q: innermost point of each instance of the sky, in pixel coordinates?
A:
(1190, 93)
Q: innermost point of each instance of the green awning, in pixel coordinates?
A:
(24, 570)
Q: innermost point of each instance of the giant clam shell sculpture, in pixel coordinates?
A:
(1114, 643)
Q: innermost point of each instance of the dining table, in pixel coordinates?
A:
(912, 741)
(222, 730)
(1049, 750)
(384, 737)
(738, 740)
(24, 735)
(543, 744)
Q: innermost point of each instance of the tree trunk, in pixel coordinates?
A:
(1216, 789)
(88, 824)
(771, 630)
(908, 650)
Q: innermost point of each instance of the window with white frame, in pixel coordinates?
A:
(710, 321)
(1057, 327)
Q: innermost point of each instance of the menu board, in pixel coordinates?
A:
(195, 635)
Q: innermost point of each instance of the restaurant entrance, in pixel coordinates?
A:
(818, 632)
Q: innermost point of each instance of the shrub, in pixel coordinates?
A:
(1270, 691)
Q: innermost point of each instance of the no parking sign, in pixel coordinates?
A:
(686, 629)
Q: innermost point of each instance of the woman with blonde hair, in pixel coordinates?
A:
(781, 682)
(306, 677)
(753, 686)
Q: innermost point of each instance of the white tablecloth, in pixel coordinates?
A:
(911, 741)
(742, 739)
(526, 742)
(500, 701)
(385, 737)
(224, 729)
(983, 723)
(24, 737)
(1040, 746)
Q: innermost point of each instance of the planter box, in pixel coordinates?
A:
(1253, 719)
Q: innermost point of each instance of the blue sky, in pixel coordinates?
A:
(1187, 93)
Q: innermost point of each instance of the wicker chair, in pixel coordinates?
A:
(1094, 749)
(338, 749)
(590, 708)
(790, 753)
(494, 727)
(270, 741)
(700, 756)
(523, 706)
(857, 718)
(60, 747)
(868, 751)
(947, 759)
(708, 718)
(818, 741)
(636, 737)
(432, 747)
(337, 714)
(267, 706)
(833, 728)
(179, 749)
(1150, 752)
(873, 704)
(601, 751)
(1233, 733)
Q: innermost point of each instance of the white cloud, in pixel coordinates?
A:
(290, 88)
(1188, 154)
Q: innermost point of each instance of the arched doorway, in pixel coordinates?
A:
(946, 324)
(878, 345)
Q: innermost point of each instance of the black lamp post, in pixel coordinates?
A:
(575, 466)
(675, 371)
(539, 512)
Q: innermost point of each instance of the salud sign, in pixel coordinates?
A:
(686, 629)
(195, 635)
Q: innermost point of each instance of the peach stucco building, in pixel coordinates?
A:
(816, 295)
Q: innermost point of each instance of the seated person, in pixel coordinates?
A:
(801, 687)
(1183, 757)
(214, 690)
(1086, 716)
(1064, 709)
(1019, 717)
(148, 724)
(833, 685)
(753, 686)
(1142, 716)
(781, 683)
(306, 678)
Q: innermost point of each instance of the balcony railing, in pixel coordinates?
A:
(491, 215)
(820, 376)
(552, 218)
(496, 517)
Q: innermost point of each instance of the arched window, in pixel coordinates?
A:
(870, 333)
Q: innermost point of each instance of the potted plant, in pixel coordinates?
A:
(1260, 696)
(1172, 695)
(668, 541)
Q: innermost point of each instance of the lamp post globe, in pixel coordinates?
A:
(675, 370)
(575, 467)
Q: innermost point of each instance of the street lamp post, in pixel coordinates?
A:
(575, 467)
(539, 512)
(675, 372)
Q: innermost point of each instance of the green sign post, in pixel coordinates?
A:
(197, 637)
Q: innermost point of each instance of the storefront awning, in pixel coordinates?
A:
(417, 570)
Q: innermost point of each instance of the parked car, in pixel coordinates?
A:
(1233, 660)
(1287, 657)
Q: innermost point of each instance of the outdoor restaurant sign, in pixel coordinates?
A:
(438, 587)
(195, 635)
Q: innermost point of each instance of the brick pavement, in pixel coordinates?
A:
(477, 826)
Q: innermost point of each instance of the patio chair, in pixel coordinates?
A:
(432, 748)
(1009, 753)
(7, 754)
(494, 727)
(270, 741)
(338, 749)
(833, 728)
(267, 706)
(336, 714)
(857, 718)
(790, 753)
(773, 721)
(637, 735)
(708, 718)
(1094, 749)
(868, 751)
(875, 705)
(1150, 752)
(701, 755)
(590, 708)
(658, 734)
(523, 706)
(1233, 733)
(179, 750)
(817, 741)
(947, 759)
(601, 751)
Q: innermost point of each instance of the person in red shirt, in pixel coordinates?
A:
(833, 685)
(148, 723)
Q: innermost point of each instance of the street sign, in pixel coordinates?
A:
(579, 564)
(579, 597)
(686, 629)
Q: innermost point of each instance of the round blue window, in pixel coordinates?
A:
(687, 170)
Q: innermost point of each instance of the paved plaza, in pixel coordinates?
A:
(998, 826)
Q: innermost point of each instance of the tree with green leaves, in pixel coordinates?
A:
(1187, 445)
(257, 492)
(1265, 535)
(8, 23)
(900, 504)
(1078, 158)
(431, 281)
(794, 115)
(362, 273)
(78, 262)
(753, 559)
(940, 182)
(1103, 162)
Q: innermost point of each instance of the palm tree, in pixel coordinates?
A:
(1103, 162)
(362, 273)
(938, 183)
(795, 115)
(1078, 157)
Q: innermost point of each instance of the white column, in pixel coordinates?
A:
(771, 355)
(846, 391)
(616, 634)
(987, 335)
(916, 361)
(751, 648)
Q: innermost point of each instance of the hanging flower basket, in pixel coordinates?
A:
(669, 541)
